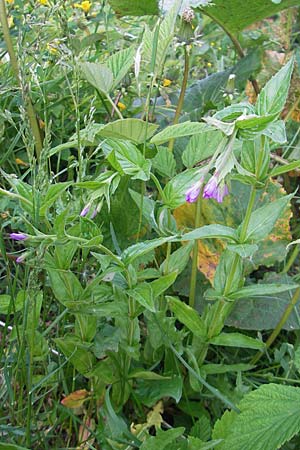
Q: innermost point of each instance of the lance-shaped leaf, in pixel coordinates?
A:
(211, 231)
(142, 248)
(179, 130)
(188, 316)
(237, 340)
(272, 97)
(259, 290)
(263, 219)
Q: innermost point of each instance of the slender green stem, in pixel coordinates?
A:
(15, 67)
(279, 326)
(291, 259)
(246, 221)
(195, 256)
(182, 93)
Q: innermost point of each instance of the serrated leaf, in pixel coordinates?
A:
(162, 439)
(135, 130)
(270, 416)
(179, 130)
(126, 158)
(272, 97)
(98, 75)
(231, 13)
(164, 162)
(188, 316)
(119, 63)
(237, 340)
(200, 147)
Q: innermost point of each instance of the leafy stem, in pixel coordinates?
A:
(195, 256)
(182, 92)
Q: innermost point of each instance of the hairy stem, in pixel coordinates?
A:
(182, 93)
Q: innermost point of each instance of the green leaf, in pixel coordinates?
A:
(150, 391)
(148, 209)
(156, 42)
(237, 340)
(178, 259)
(272, 97)
(276, 132)
(244, 250)
(143, 294)
(254, 123)
(136, 8)
(179, 130)
(188, 316)
(258, 290)
(231, 14)
(164, 162)
(73, 348)
(226, 128)
(197, 444)
(175, 189)
(163, 283)
(212, 369)
(270, 416)
(125, 157)
(162, 439)
(52, 195)
(65, 285)
(263, 219)
(211, 231)
(98, 75)
(142, 248)
(8, 304)
(146, 375)
(285, 168)
(135, 130)
(263, 312)
(119, 63)
(200, 147)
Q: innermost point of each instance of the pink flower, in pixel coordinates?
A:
(18, 236)
(216, 190)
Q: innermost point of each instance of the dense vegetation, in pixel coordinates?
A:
(149, 244)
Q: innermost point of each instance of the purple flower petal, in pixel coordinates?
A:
(211, 188)
(192, 194)
(18, 236)
(85, 210)
(20, 259)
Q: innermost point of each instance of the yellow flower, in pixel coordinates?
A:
(85, 6)
(10, 2)
(209, 64)
(43, 2)
(20, 162)
(121, 106)
(166, 82)
(52, 49)
(212, 44)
